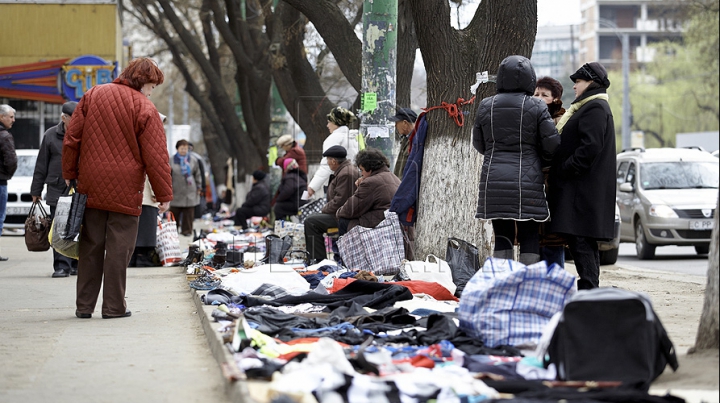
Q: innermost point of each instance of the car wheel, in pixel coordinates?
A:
(702, 249)
(645, 251)
(609, 256)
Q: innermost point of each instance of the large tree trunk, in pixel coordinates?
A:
(708, 335)
(451, 166)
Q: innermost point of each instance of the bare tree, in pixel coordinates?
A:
(451, 167)
(708, 335)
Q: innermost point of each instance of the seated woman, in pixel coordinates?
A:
(375, 189)
(257, 201)
(292, 186)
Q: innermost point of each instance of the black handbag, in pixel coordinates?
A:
(37, 228)
(75, 217)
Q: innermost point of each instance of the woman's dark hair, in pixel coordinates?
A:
(371, 159)
(141, 71)
(181, 143)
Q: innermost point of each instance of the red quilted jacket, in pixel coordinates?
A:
(114, 138)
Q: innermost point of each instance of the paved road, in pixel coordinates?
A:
(678, 259)
(160, 354)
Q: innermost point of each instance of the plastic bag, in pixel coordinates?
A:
(65, 247)
(464, 261)
(168, 242)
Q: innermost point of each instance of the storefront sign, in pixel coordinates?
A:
(85, 72)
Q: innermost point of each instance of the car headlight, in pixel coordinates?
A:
(663, 211)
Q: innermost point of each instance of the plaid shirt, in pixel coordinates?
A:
(269, 290)
(508, 303)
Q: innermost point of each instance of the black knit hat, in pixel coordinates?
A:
(69, 107)
(259, 175)
(593, 71)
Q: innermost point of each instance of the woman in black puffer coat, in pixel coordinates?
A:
(517, 137)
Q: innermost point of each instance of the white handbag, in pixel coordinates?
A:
(437, 271)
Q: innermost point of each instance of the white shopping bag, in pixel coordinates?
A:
(168, 242)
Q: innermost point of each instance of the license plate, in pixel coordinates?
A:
(18, 210)
(702, 224)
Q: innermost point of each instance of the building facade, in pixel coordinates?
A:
(645, 21)
(555, 51)
(52, 52)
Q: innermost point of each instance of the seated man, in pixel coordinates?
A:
(375, 190)
(257, 201)
(341, 186)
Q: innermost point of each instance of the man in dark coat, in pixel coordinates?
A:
(404, 124)
(8, 159)
(582, 176)
(340, 188)
(257, 201)
(48, 171)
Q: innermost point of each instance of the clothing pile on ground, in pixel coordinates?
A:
(327, 333)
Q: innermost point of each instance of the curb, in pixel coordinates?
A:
(236, 389)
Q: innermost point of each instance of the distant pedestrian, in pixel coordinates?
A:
(202, 205)
(48, 171)
(8, 165)
(186, 182)
(114, 139)
(516, 136)
(340, 135)
(292, 150)
(582, 176)
(257, 201)
(404, 124)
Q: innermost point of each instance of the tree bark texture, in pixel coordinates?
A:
(708, 335)
(451, 166)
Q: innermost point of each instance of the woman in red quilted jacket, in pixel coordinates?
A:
(114, 139)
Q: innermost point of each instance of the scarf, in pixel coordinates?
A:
(185, 168)
(574, 108)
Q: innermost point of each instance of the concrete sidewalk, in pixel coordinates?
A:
(160, 354)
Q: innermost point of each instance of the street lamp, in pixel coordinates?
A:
(626, 113)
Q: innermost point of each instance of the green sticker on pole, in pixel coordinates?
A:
(369, 101)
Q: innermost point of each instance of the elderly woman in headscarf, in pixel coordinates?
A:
(292, 186)
(582, 175)
(187, 186)
(340, 135)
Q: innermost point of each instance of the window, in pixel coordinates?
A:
(679, 175)
(621, 172)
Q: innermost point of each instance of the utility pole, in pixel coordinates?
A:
(626, 112)
(379, 56)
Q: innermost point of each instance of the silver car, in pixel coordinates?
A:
(667, 196)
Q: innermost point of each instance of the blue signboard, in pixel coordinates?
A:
(85, 72)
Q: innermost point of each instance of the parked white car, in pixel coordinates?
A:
(19, 198)
(667, 196)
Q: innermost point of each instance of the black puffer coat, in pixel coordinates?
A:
(516, 135)
(582, 177)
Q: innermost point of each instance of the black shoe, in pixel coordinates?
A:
(3, 259)
(83, 315)
(73, 271)
(127, 313)
(60, 273)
